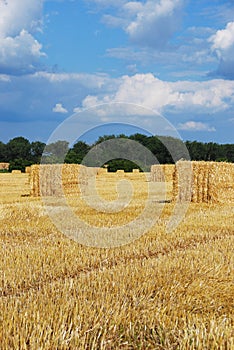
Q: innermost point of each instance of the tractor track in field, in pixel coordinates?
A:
(191, 243)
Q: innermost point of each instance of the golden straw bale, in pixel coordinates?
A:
(182, 181)
(162, 172)
(4, 166)
(34, 181)
(101, 170)
(156, 172)
(27, 169)
(221, 182)
(168, 170)
(120, 171)
(208, 182)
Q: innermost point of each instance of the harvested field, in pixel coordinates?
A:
(164, 291)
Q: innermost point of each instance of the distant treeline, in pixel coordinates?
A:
(20, 152)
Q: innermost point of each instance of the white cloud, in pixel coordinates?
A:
(20, 53)
(154, 21)
(19, 14)
(86, 79)
(149, 91)
(223, 39)
(59, 108)
(151, 23)
(5, 78)
(19, 50)
(223, 45)
(195, 126)
(209, 102)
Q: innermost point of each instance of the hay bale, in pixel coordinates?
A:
(135, 170)
(200, 182)
(4, 166)
(101, 170)
(162, 172)
(209, 182)
(46, 180)
(16, 172)
(59, 179)
(156, 173)
(120, 172)
(27, 169)
(168, 170)
(182, 182)
(221, 182)
(34, 181)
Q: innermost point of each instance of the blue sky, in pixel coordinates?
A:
(173, 57)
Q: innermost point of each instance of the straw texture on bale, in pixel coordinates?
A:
(203, 182)
(27, 169)
(101, 170)
(59, 179)
(182, 181)
(14, 184)
(221, 182)
(162, 172)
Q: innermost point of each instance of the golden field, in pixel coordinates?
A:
(164, 291)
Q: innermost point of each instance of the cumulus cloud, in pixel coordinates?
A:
(58, 108)
(31, 98)
(151, 23)
(195, 126)
(223, 39)
(149, 91)
(20, 52)
(19, 14)
(154, 22)
(86, 79)
(223, 45)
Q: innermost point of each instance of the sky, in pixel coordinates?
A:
(173, 58)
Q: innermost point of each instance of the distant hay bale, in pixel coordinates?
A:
(16, 172)
(101, 170)
(162, 172)
(4, 166)
(135, 170)
(27, 169)
(120, 172)
(203, 182)
(59, 179)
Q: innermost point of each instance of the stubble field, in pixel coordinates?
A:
(164, 291)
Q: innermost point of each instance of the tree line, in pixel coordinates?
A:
(20, 152)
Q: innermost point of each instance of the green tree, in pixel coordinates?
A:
(76, 154)
(55, 152)
(18, 148)
(36, 151)
(3, 152)
(18, 153)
